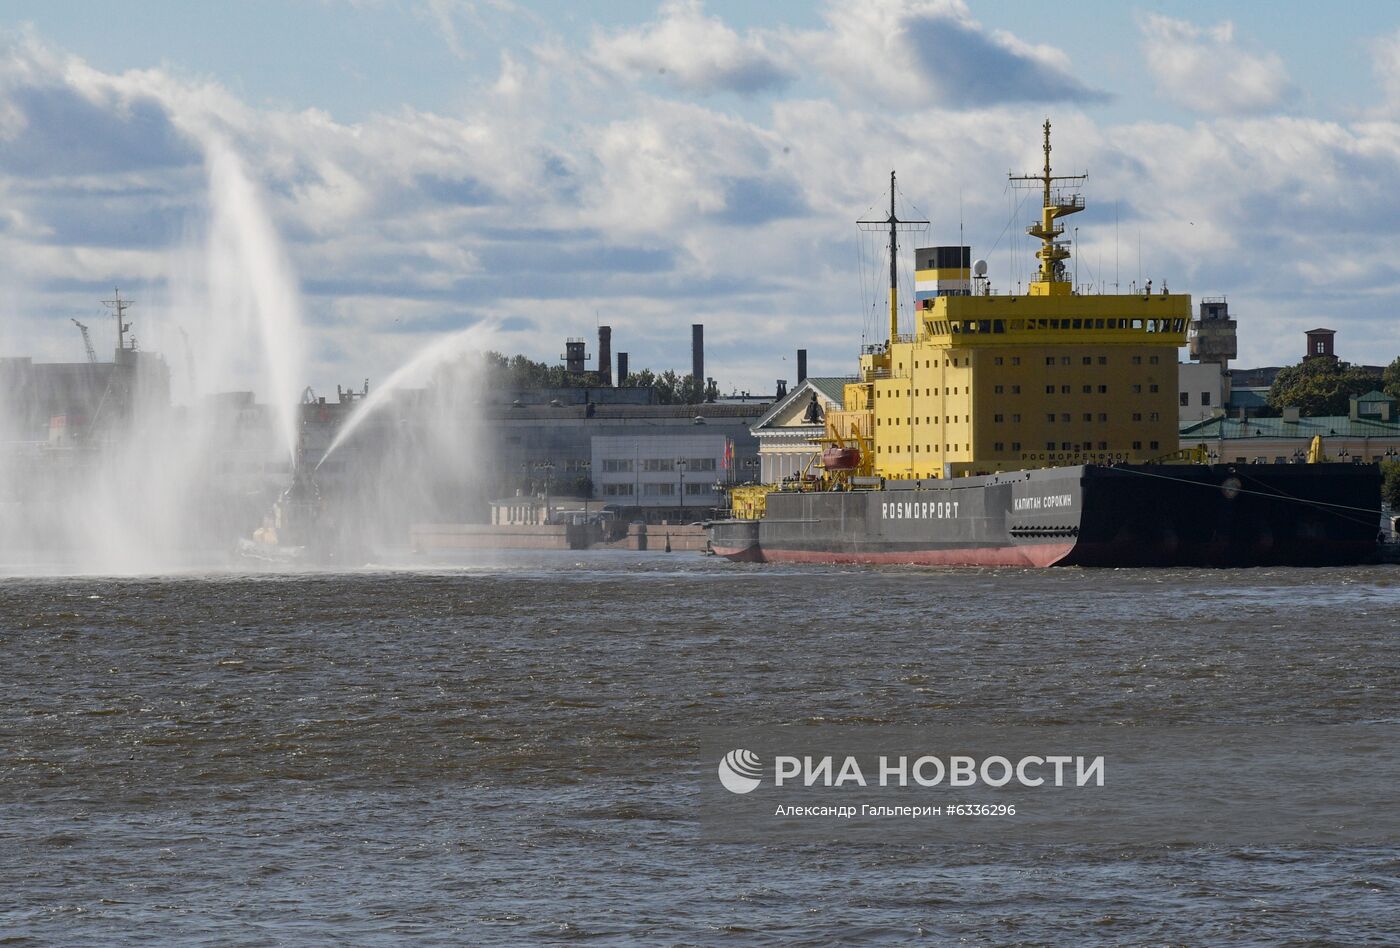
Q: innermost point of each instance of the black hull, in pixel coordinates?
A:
(1127, 515)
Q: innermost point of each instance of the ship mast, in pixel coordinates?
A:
(120, 305)
(1050, 279)
(895, 225)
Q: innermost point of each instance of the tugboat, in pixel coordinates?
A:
(1038, 429)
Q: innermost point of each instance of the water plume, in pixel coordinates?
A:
(435, 354)
(133, 480)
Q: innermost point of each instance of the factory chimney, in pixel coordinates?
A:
(605, 356)
(697, 351)
(801, 366)
(621, 369)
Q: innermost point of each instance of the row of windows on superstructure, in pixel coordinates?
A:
(953, 362)
(961, 326)
(1152, 387)
(1000, 418)
(1083, 360)
(1015, 446)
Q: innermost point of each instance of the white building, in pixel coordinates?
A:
(674, 476)
(787, 433)
(1203, 390)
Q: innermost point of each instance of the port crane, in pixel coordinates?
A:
(87, 342)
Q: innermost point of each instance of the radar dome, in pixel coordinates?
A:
(979, 268)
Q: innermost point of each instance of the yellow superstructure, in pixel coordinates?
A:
(993, 383)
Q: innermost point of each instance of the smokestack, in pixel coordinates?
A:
(801, 366)
(605, 356)
(697, 351)
(621, 369)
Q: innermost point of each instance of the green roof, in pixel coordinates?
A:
(832, 388)
(1329, 426)
(1374, 396)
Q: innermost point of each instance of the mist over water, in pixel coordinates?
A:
(149, 483)
(206, 454)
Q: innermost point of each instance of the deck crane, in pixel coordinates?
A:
(87, 342)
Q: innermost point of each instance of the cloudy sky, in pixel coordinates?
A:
(427, 165)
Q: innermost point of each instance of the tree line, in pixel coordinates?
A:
(521, 373)
(1321, 386)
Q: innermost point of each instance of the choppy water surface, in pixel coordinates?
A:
(500, 753)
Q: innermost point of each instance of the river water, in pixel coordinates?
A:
(501, 751)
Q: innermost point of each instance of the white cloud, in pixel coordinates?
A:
(909, 54)
(693, 52)
(1385, 64)
(546, 202)
(1206, 70)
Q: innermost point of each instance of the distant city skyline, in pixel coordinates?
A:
(433, 164)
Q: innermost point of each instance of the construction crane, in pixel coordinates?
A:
(87, 342)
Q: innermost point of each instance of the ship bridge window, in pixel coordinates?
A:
(998, 325)
(1088, 360)
(1137, 324)
(1178, 324)
(984, 325)
(1079, 324)
(1098, 324)
(1015, 360)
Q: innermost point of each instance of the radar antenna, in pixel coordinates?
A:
(119, 307)
(1055, 203)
